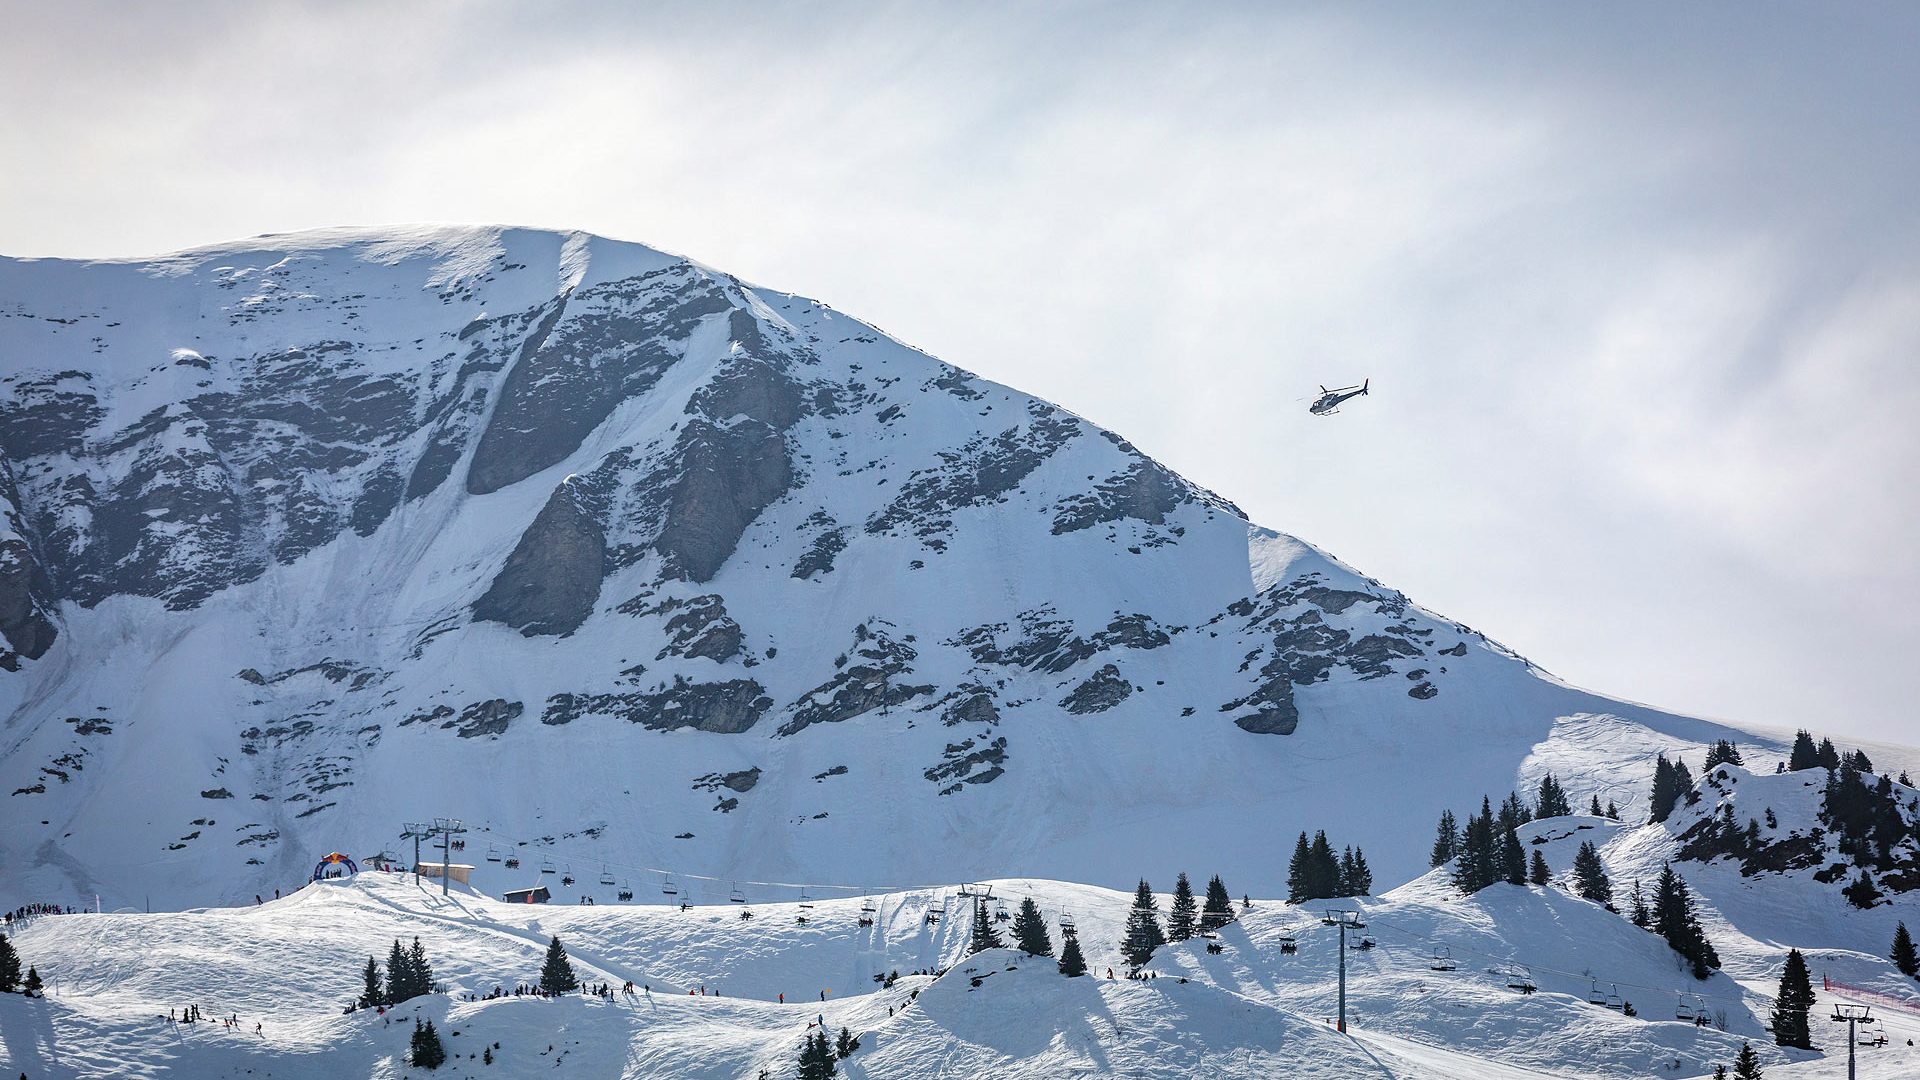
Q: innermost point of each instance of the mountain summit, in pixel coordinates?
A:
(630, 564)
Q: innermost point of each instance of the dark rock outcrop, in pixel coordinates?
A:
(724, 707)
(727, 475)
(1101, 691)
(551, 582)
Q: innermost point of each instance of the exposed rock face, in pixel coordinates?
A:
(742, 781)
(24, 625)
(724, 707)
(1101, 691)
(486, 718)
(701, 628)
(962, 764)
(975, 707)
(980, 472)
(551, 582)
(727, 476)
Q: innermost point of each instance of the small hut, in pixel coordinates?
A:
(535, 895)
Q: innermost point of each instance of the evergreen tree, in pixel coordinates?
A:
(1638, 913)
(1859, 760)
(1479, 858)
(373, 994)
(31, 987)
(1674, 919)
(845, 1045)
(1217, 910)
(1590, 876)
(1905, 780)
(1446, 840)
(419, 972)
(1030, 930)
(816, 1057)
(1360, 882)
(1297, 872)
(1514, 811)
(1792, 1004)
(1346, 873)
(1666, 789)
(1071, 962)
(1323, 868)
(1613, 812)
(985, 934)
(9, 967)
(1804, 756)
(1903, 955)
(398, 988)
(1723, 752)
(1513, 861)
(1746, 1064)
(1863, 893)
(1594, 810)
(1537, 871)
(1181, 917)
(1551, 800)
(1828, 757)
(426, 1052)
(556, 973)
(1719, 1072)
(1143, 927)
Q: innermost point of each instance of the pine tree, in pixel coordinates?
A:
(1181, 916)
(1674, 919)
(1030, 930)
(1143, 927)
(1514, 811)
(985, 934)
(1217, 910)
(398, 987)
(1513, 861)
(1361, 881)
(1863, 893)
(1071, 962)
(1666, 789)
(1638, 913)
(1903, 955)
(31, 986)
(1746, 1064)
(1594, 810)
(1479, 858)
(845, 1045)
(419, 972)
(1829, 757)
(1346, 875)
(1590, 875)
(1323, 869)
(1551, 800)
(1613, 812)
(427, 1052)
(1297, 872)
(1722, 752)
(9, 967)
(373, 994)
(1446, 840)
(556, 973)
(816, 1058)
(1792, 1004)
(1804, 756)
(1537, 872)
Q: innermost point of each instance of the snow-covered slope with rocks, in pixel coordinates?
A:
(631, 565)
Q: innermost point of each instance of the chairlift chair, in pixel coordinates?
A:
(866, 913)
(667, 887)
(493, 853)
(1520, 977)
(736, 896)
(625, 894)
(1594, 996)
(1364, 941)
(1442, 959)
(566, 877)
(1067, 928)
(546, 866)
(1615, 1001)
(1000, 913)
(513, 862)
(606, 874)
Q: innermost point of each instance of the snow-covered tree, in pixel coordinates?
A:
(1182, 916)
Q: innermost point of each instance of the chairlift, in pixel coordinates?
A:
(546, 866)
(667, 887)
(606, 874)
(1289, 944)
(493, 853)
(936, 909)
(1000, 913)
(806, 902)
(1067, 928)
(1690, 1007)
(1442, 959)
(513, 862)
(1594, 996)
(625, 894)
(1615, 1001)
(566, 877)
(736, 896)
(866, 912)
(1520, 977)
(1364, 941)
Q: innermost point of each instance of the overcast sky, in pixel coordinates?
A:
(1638, 287)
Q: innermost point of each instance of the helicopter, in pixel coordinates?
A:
(1329, 401)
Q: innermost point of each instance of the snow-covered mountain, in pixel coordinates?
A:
(630, 564)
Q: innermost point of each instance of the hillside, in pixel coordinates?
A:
(638, 568)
